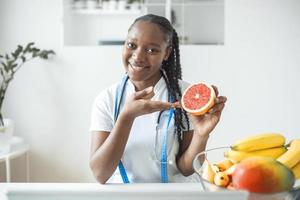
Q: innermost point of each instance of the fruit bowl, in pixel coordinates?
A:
(215, 155)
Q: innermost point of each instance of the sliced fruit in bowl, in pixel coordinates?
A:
(205, 164)
(240, 177)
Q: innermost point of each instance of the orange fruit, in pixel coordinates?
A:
(221, 179)
(198, 98)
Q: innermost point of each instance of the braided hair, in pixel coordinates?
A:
(171, 68)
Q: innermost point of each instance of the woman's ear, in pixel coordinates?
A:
(168, 52)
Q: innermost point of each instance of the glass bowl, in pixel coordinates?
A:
(215, 155)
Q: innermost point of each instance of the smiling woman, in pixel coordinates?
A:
(260, 59)
(143, 54)
(141, 112)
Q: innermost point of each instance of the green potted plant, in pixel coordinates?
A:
(9, 65)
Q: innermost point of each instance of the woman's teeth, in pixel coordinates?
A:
(137, 68)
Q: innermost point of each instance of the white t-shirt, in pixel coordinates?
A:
(142, 152)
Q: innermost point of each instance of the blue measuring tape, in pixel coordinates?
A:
(118, 99)
(164, 153)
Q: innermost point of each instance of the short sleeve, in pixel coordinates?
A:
(102, 112)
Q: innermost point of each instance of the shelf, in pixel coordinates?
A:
(83, 11)
(83, 26)
(18, 148)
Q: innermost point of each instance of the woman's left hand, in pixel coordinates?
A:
(204, 124)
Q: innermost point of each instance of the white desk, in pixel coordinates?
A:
(149, 191)
(17, 150)
(95, 191)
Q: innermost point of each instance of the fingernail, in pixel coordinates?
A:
(176, 105)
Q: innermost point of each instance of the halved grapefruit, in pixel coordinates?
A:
(198, 98)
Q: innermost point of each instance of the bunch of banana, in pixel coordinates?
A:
(258, 142)
(237, 156)
(265, 144)
(292, 157)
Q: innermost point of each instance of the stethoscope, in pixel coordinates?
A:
(164, 152)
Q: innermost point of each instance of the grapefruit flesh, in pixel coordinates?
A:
(198, 98)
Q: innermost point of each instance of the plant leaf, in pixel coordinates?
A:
(10, 64)
(51, 52)
(34, 54)
(44, 54)
(1, 71)
(18, 50)
(5, 66)
(23, 58)
(14, 55)
(28, 47)
(34, 49)
(14, 66)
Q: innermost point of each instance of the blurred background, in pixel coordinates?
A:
(250, 49)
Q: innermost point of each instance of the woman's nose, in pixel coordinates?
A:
(138, 55)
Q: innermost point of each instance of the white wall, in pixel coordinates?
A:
(257, 69)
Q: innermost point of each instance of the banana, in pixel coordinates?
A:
(258, 142)
(230, 170)
(208, 172)
(237, 156)
(292, 156)
(296, 170)
(224, 165)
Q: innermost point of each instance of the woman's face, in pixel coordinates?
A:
(144, 50)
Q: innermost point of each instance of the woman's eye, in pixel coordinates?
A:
(130, 45)
(152, 50)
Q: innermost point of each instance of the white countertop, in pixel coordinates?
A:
(89, 191)
(145, 191)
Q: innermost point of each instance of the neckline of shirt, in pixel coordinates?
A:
(157, 87)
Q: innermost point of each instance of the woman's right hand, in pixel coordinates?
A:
(140, 103)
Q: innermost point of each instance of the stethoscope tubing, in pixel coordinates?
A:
(164, 153)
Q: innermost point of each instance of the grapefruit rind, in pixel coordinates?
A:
(204, 108)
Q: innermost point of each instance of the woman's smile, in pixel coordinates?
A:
(138, 68)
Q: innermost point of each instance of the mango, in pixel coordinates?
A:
(262, 175)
